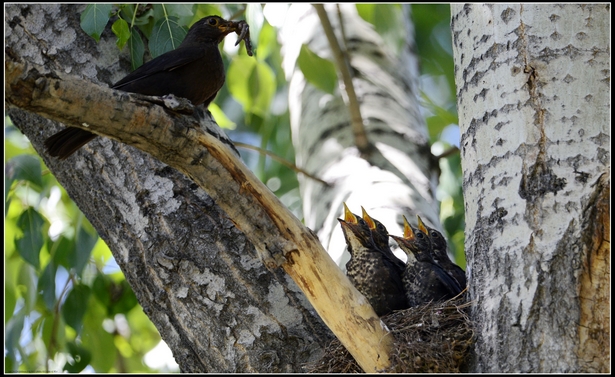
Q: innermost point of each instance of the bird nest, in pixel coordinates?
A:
(432, 338)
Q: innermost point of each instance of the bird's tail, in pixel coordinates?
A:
(67, 142)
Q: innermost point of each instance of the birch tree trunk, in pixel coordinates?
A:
(533, 84)
(399, 174)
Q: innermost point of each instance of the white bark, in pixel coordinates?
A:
(533, 84)
(399, 177)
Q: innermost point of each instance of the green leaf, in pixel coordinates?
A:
(24, 167)
(167, 35)
(183, 12)
(388, 22)
(221, 118)
(123, 298)
(366, 11)
(26, 283)
(251, 83)
(29, 246)
(137, 49)
(62, 250)
(80, 358)
(101, 288)
(94, 19)
(84, 243)
(75, 305)
(47, 285)
(263, 85)
(53, 331)
(317, 71)
(255, 18)
(97, 340)
(204, 10)
(122, 32)
(267, 42)
(12, 333)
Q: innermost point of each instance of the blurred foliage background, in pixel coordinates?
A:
(67, 305)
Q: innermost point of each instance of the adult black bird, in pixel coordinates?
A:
(440, 254)
(194, 71)
(380, 234)
(424, 280)
(369, 269)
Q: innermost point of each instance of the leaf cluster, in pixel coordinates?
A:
(63, 290)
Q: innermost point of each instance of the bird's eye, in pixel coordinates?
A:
(213, 21)
(419, 235)
(434, 234)
(381, 228)
(362, 222)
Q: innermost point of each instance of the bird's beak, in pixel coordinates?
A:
(228, 26)
(401, 241)
(422, 227)
(408, 232)
(349, 216)
(368, 220)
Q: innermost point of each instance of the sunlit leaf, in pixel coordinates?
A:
(53, 331)
(221, 119)
(94, 19)
(122, 32)
(267, 42)
(317, 71)
(388, 22)
(204, 10)
(251, 83)
(255, 18)
(96, 339)
(27, 280)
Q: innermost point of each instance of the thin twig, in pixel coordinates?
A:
(449, 152)
(350, 98)
(280, 160)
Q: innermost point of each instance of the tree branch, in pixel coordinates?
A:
(282, 161)
(350, 97)
(193, 147)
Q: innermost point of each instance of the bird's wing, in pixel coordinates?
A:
(447, 280)
(391, 260)
(165, 62)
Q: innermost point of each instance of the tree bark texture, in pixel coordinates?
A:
(195, 274)
(533, 84)
(398, 175)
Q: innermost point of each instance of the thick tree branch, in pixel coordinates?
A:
(343, 66)
(181, 142)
